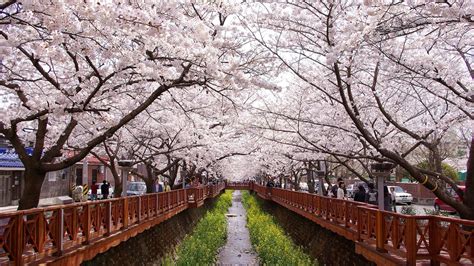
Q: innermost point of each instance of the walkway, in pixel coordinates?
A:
(238, 249)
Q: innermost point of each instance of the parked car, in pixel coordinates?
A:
(350, 190)
(439, 205)
(401, 196)
(136, 188)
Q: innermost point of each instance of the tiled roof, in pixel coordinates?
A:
(9, 159)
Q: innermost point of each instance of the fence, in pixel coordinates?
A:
(36, 234)
(404, 238)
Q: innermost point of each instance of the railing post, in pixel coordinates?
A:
(18, 239)
(347, 216)
(125, 213)
(157, 202)
(139, 216)
(359, 224)
(410, 240)
(108, 218)
(434, 237)
(40, 232)
(87, 227)
(380, 232)
(148, 208)
(60, 233)
(169, 201)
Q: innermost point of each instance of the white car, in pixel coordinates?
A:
(401, 196)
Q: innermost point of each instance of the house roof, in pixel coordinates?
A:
(10, 160)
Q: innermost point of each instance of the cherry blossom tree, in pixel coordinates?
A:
(76, 72)
(371, 81)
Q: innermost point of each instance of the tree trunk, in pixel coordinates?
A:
(31, 193)
(468, 198)
(149, 185)
(118, 189)
(173, 173)
(149, 180)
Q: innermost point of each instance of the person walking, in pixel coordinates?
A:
(94, 188)
(104, 188)
(387, 199)
(371, 196)
(392, 196)
(340, 191)
(167, 187)
(360, 194)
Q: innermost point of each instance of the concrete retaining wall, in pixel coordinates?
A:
(327, 247)
(149, 247)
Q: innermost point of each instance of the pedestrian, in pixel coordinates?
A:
(394, 202)
(167, 187)
(340, 191)
(333, 192)
(104, 188)
(387, 199)
(160, 187)
(371, 196)
(360, 194)
(270, 183)
(94, 188)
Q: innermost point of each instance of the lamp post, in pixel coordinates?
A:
(125, 166)
(321, 172)
(381, 171)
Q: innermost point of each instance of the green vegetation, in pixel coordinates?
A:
(447, 170)
(200, 247)
(269, 240)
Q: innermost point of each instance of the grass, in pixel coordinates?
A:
(268, 239)
(201, 246)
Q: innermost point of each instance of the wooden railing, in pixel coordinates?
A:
(242, 185)
(33, 235)
(406, 239)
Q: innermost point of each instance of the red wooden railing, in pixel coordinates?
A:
(32, 235)
(406, 239)
(242, 185)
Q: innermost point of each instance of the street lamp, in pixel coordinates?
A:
(381, 171)
(125, 166)
(320, 173)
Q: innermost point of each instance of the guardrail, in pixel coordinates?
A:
(34, 235)
(382, 236)
(243, 185)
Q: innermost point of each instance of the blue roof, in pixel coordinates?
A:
(9, 159)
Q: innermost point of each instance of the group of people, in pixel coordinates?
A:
(162, 188)
(104, 189)
(371, 196)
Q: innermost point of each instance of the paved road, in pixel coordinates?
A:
(238, 249)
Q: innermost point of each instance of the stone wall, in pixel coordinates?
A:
(327, 247)
(149, 247)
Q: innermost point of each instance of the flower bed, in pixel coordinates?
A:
(201, 246)
(268, 238)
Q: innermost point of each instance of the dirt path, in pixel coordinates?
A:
(238, 249)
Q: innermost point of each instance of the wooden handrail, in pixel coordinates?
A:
(439, 239)
(32, 235)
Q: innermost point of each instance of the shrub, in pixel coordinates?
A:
(201, 246)
(269, 240)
